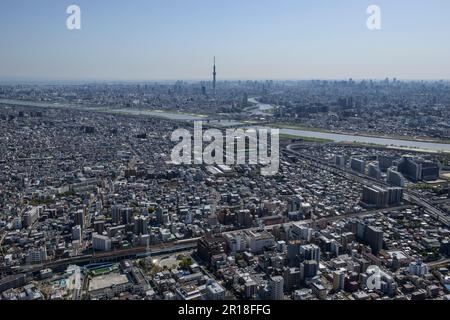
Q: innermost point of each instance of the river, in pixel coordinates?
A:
(337, 137)
(260, 107)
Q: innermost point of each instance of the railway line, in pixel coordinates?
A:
(410, 196)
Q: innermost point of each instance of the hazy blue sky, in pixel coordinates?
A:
(252, 39)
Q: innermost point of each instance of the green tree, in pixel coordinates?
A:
(186, 263)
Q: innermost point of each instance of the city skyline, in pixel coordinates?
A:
(254, 40)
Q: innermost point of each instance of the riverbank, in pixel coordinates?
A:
(305, 139)
(298, 127)
(317, 134)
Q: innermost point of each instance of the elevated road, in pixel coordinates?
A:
(438, 264)
(2, 238)
(189, 244)
(410, 196)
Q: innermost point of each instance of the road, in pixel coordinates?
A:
(183, 245)
(111, 255)
(438, 264)
(189, 244)
(410, 196)
(2, 238)
(441, 201)
(328, 219)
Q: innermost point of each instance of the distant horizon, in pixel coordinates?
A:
(57, 81)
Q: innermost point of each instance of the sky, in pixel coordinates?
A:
(139, 40)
